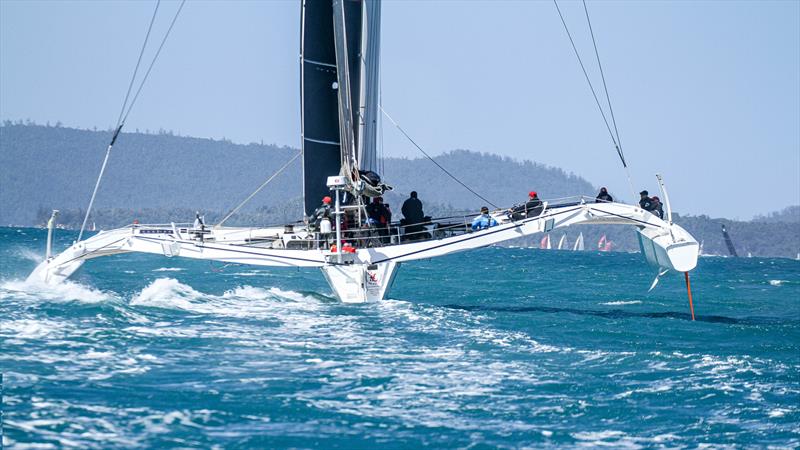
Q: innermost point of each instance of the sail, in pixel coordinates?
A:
(561, 241)
(369, 111)
(319, 101)
(347, 42)
(579, 243)
(728, 242)
(336, 106)
(545, 242)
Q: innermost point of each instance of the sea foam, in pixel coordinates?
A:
(65, 291)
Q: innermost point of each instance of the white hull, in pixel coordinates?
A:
(669, 247)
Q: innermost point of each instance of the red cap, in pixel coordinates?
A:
(326, 199)
(532, 194)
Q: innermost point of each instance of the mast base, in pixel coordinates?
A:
(360, 283)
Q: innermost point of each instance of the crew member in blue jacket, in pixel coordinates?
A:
(484, 220)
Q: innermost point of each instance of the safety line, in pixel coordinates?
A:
(434, 161)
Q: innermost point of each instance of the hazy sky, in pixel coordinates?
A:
(707, 93)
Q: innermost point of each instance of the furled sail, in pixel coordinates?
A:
(370, 95)
(339, 54)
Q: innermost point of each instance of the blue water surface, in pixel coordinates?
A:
(494, 348)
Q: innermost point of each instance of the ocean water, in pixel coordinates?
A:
(495, 348)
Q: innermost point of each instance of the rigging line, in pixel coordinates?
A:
(382, 163)
(158, 52)
(118, 127)
(608, 99)
(138, 62)
(597, 101)
(585, 74)
(434, 161)
(603, 77)
(237, 208)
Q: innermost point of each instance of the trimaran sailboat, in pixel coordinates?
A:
(340, 42)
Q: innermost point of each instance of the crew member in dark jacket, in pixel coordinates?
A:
(645, 202)
(531, 208)
(657, 208)
(323, 212)
(604, 196)
(413, 216)
(380, 216)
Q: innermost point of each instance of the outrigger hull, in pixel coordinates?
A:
(367, 273)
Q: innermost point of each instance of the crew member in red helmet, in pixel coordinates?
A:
(531, 208)
(323, 212)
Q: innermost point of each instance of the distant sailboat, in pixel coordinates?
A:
(604, 245)
(728, 242)
(579, 243)
(700, 251)
(545, 242)
(561, 241)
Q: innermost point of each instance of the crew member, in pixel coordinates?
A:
(604, 196)
(657, 207)
(323, 212)
(531, 208)
(484, 220)
(645, 202)
(413, 217)
(380, 216)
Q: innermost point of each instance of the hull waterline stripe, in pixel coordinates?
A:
(276, 257)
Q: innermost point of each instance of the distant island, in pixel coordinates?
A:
(156, 177)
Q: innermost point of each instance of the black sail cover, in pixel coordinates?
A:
(322, 126)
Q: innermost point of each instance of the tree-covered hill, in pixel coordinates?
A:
(56, 167)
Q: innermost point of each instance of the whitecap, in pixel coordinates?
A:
(778, 412)
(30, 328)
(622, 302)
(65, 291)
(168, 269)
(167, 293)
(776, 282)
(597, 435)
(244, 301)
